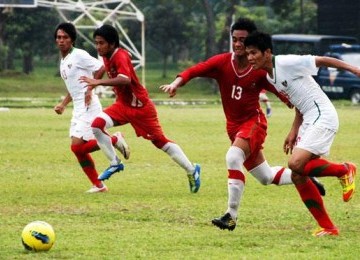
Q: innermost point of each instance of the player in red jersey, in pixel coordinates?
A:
(240, 86)
(132, 105)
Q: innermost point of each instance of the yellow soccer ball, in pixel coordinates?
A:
(38, 236)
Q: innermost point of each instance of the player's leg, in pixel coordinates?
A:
(308, 192)
(146, 124)
(235, 158)
(264, 98)
(99, 127)
(318, 141)
(346, 173)
(278, 175)
(87, 164)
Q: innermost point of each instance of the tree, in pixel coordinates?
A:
(30, 32)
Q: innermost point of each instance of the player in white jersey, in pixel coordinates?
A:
(315, 124)
(86, 105)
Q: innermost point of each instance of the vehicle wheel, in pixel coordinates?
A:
(355, 96)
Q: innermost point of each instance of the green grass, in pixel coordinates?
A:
(149, 212)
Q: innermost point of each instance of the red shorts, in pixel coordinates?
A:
(144, 119)
(253, 130)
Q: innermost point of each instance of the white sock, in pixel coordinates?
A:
(266, 174)
(235, 190)
(178, 156)
(235, 158)
(105, 144)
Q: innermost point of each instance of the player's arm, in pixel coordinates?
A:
(60, 108)
(207, 69)
(290, 140)
(323, 61)
(171, 88)
(120, 80)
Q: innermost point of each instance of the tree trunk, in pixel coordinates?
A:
(224, 41)
(28, 62)
(210, 46)
(165, 57)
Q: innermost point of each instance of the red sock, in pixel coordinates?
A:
(321, 167)
(87, 163)
(311, 197)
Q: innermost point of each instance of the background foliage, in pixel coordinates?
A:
(176, 30)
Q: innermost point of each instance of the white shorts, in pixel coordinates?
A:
(315, 139)
(80, 125)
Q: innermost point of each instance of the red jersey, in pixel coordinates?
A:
(239, 91)
(119, 63)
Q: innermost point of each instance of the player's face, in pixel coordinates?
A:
(238, 38)
(255, 57)
(63, 41)
(103, 47)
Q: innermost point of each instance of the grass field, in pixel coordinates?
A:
(149, 212)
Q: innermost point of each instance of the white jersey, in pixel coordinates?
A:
(76, 64)
(292, 76)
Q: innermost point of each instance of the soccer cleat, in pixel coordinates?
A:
(318, 185)
(225, 222)
(320, 232)
(268, 112)
(194, 179)
(121, 145)
(95, 189)
(110, 171)
(347, 181)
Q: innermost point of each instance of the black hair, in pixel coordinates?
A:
(109, 33)
(69, 28)
(244, 24)
(259, 40)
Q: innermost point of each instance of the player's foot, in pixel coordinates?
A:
(225, 222)
(268, 112)
(110, 171)
(95, 189)
(318, 185)
(121, 145)
(347, 181)
(320, 232)
(194, 179)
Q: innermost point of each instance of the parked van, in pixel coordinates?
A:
(307, 43)
(340, 84)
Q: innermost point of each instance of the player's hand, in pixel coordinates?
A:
(169, 88)
(88, 81)
(289, 143)
(59, 109)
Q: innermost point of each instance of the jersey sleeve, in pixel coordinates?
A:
(122, 61)
(207, 69)
(300, 65)
(88, 62)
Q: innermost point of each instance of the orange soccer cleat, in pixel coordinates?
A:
(347, 181)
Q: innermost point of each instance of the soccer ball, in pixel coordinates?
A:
(38, 236)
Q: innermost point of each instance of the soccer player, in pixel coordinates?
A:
(315, 124)
(264, 99)
(240, 86)
(132, 105)
(73, 64)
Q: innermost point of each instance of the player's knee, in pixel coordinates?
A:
(235, 157)
(296, 166)
(160, 142)
(98, 123)
(76, 149)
